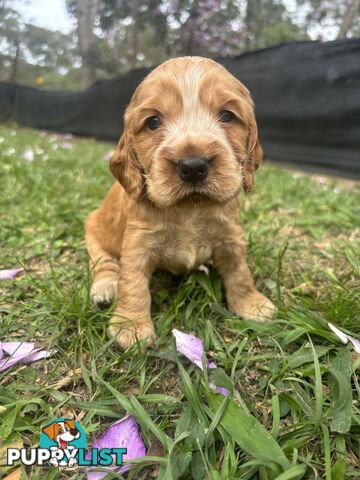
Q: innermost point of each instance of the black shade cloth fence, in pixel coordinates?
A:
(307, 97)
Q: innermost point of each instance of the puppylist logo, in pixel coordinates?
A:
(63, 444)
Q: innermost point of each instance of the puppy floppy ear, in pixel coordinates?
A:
(51, 430)
(253, 156)
(126, 168)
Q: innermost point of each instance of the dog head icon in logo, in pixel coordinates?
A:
(62, 432)
(63, 436)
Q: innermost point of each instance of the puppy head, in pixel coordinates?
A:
(189, 135)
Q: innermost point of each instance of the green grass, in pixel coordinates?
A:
(294, 412)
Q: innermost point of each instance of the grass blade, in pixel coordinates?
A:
(249, 434)
(276, 416)
(318, 389)
(340, 383)
(327, 454)
(293, 473)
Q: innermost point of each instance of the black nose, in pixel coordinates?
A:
(74, 432)
(193, 169)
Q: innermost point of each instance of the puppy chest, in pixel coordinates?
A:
(183, 251)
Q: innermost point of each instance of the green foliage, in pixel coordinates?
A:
(268, 22)
(10, 32)
(123, 35)
(126, 35)
(249, 434)
(294, 409)
(33, 55)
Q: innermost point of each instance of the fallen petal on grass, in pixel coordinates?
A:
(108, 155)
(224, 391)
(10, 151)
(29, 155)
(66, 145)
(124, 433)
(192, 348)
(345, 338)
(20, 352)
(38, 354)
(17, 348)
(68, 136)
(355, 344)
(10, 273)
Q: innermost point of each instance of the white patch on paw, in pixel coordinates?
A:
(104, 291)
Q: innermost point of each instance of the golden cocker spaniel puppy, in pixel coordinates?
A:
(189, 145)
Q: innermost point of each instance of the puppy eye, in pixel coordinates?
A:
(153, 123)
(226, 116)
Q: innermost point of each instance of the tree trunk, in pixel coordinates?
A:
(15, 62)
(86, 12)
(135, 33)
(253, 23)
(348, 19)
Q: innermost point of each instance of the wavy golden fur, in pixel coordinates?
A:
(151, 218)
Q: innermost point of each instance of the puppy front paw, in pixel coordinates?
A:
(254, 306)
(104, 291)
(128, 333)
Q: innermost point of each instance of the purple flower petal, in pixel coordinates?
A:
(124, 433)
(68, 136)
(192, 348)
(345, 338)
(8, 362)
(20, 352)
(108, 155)
(66, 145)
(38, 354)
(10, 273)
(18, 349)
(355, 343)
(224, 391)
(28, 155)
